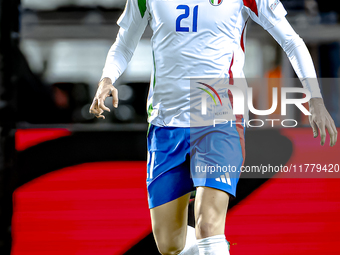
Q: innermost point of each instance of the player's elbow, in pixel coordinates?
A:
(292, 43)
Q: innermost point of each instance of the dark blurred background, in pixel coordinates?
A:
(51, 58)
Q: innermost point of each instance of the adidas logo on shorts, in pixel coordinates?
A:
(225, 178)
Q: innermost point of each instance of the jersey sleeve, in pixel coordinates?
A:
(266, 13)
(135, 14)
(132, 24)
(298, 55)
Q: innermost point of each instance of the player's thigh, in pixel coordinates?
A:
(169, 186)
(169, 225)
(217, 157)
(169, 195)
(210, 211)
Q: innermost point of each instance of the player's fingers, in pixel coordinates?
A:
(115, 97)
(98, 110)
(102, 105)
(100, 116)
(314, 127)
(334, 133)
(331, 134)
(93, 108)
(321, 126)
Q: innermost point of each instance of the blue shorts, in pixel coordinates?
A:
(180, 159)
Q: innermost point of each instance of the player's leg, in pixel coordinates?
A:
(218, 154)
(169, 196)
(210, 211)
(210, 214)
(169, 187)
(169, 225)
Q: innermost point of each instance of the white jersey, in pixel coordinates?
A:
(192, 38)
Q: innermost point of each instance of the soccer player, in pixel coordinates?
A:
(197, 38)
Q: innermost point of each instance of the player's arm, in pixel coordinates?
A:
(302, 63)
(132, 25)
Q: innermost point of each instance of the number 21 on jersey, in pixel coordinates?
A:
(185, 15)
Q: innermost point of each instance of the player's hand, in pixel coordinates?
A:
(105, 89)
(320, 120)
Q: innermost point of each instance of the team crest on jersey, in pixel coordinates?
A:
(215, 2)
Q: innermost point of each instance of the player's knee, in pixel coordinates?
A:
(170, 249)
(205, 229)
(169, 243)
(208, 223)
